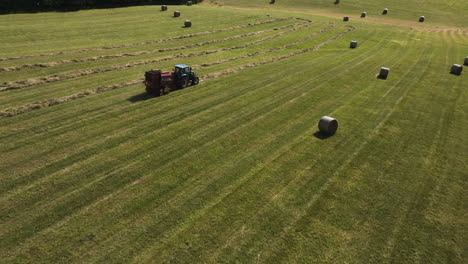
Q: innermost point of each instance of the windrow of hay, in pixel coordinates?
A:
(147, 42)
(10, 112)
(268, 51)
(13, 111)
(81, 73)
(138, 53)
(275, 59)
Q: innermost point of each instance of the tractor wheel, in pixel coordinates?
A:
(184, 82)
(195, 81)
(165, 90)
(158, 93)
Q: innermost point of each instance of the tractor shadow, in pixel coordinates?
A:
(140, 97)
(321, 135)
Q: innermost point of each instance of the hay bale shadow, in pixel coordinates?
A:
(321, 135)
(140, 97)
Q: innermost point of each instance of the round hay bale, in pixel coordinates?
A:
(187, 23)
(346, 18)
(176, 13)
(353, 44)
(466, 61)
(189, 3)
(163, 8)
(328, 125)
(385, 11)
(383, 73)
(363, 14)
(456, 69)
(422, 18)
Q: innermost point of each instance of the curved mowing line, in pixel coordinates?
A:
(265, 51)
(145, 43)
(139, 53)
(54, 78)
(275, 59)
(10, 112)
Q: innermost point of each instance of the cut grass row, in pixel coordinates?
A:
(137, 64)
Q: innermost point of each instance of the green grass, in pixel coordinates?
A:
(232, 170)
(447, 12)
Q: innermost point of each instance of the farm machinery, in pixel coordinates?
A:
(160, 83)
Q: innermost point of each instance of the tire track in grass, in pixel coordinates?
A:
(77, 74)
(145, 43)
(139, 53)
(298, 215)
(13, 111)
(410, 207)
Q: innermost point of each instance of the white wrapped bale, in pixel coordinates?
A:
(176, 13)
(353, 44)
(422, 18)
(456, 69)
(363, 14)
(328, 125)
(383, 73)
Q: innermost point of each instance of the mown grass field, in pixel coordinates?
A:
(94, 170)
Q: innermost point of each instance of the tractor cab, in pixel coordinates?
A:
(184, 76)
(181, 69)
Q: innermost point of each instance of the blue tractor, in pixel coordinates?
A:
(183, 76)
